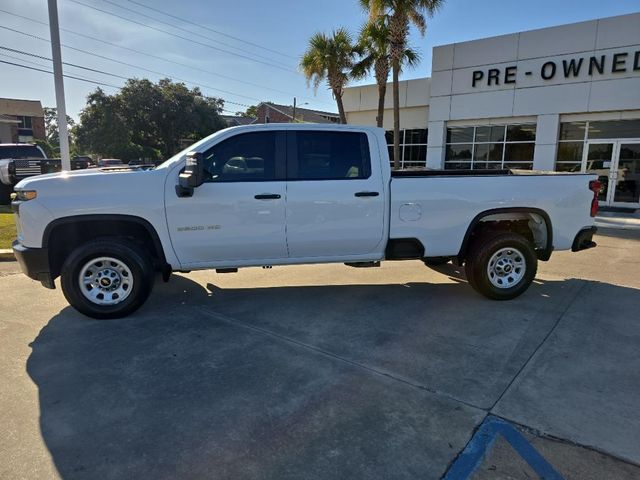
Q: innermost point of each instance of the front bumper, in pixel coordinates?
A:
(584, 239)
(34, 263)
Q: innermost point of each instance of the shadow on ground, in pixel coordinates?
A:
(350, 381)
(626, 234)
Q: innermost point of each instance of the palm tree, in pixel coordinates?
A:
(399, 15)
(330, 58)
(374, 47)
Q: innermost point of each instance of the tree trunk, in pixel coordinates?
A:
(382, 92)
(343, 117)
(396, 116)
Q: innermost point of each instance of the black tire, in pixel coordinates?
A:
(481, 253)
(5, 194)
(436, 261)
(135, 259)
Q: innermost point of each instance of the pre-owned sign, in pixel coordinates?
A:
(619, 62)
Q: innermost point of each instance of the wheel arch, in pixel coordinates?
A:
(542, 236)
(63, 234)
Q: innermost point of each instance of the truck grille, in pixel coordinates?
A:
(27, 168)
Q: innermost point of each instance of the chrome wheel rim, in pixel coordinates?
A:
(105, 281)
(506, 268)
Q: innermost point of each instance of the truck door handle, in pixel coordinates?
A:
(367, 194)
(267, 196)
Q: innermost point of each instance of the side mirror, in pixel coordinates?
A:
(192, 176)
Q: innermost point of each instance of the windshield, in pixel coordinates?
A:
(20, 151)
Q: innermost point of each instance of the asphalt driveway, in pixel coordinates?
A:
(329, 372)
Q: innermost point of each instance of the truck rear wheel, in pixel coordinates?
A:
(107, 278)
(5, 194)
(501, 267)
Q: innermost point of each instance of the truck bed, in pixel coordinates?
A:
(436, 207)
(450, 173)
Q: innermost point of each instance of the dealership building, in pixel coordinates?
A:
(565, 98)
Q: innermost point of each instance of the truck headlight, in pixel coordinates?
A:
(24, 195)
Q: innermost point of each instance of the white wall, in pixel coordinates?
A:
(410, 117)
(527, 53)
(455, 97)
(450, 97)
(413, 93)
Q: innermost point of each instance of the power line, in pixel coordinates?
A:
(68, 76)
(139, 52)
(64, 63)
(181, 37)
(65, 75)
(138, 67)
(271, 60)
(210, 29)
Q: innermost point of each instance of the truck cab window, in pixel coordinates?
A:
(330, 156)
(248, 157)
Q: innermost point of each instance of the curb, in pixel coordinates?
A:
(617, 225)
(6, 255)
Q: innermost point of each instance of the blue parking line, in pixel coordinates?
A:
(482, 443)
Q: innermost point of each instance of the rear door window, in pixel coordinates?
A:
(320, 155)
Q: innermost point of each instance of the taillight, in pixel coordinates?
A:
(595, 186)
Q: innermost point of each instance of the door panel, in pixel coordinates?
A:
(627, 182)
(325, 218)
(239, 213)
(224, 222)
(332, 206)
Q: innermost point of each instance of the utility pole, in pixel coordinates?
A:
(295, 105)
(59, 84)
(294, 110)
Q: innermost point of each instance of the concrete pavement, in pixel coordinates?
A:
(326, 372)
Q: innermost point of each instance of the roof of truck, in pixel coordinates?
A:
(302, 126)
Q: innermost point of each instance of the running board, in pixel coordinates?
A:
(362, 264)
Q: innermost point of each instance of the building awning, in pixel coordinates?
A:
(8, 119)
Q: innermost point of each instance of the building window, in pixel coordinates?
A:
(25, 129)
(413, 147)
(574, 135)
(613, 129)
(25, 122)
(570, 146)
(490, 147)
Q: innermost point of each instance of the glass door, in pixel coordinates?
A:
(625, 176)
(598, 159)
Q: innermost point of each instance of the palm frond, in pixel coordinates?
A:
(328, 57)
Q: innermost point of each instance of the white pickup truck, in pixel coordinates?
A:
(281, 194)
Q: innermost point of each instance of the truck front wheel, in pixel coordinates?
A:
(501, 267)
(5, 194)
(107, 278)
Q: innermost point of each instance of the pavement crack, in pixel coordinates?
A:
(542, 434)
(542, 342)
(372, 370)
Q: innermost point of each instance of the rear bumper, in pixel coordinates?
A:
(34, 263)
(584, 239)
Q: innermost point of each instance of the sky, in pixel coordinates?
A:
(248, 51)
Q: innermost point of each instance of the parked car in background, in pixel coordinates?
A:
(110, 162)
(279, 194)
(23, 160)
(85, 158)
(10, 151)
(141, 163)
